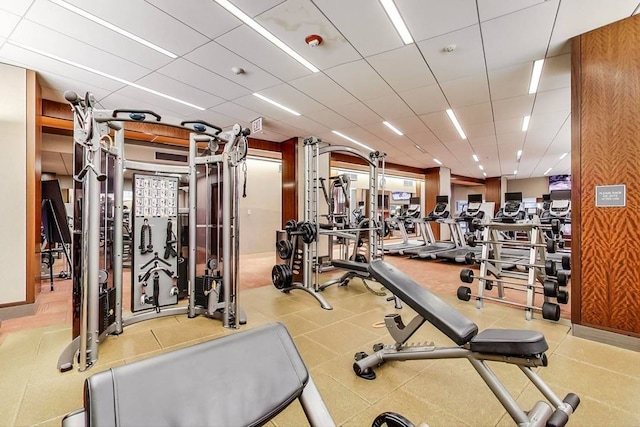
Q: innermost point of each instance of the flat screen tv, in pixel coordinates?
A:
(559, 182)
(474, 198)
(399, 196)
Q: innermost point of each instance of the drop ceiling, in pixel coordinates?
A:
(367, 74)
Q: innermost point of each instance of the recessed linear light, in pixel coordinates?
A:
(484, 173)
(348, 138)
(535, 75)
(437, 161)
(547, 171)
(394, 15)
(518, 155)
(563, 156)
(525, 123)
(515, 172)
(475, 158)
(272, 102)
(419, 148)
(266, 34)
(112, 27)
(481, 167)
(393, 128)
(100, 73)
(455, 122)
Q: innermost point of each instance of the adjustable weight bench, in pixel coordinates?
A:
(523, 348)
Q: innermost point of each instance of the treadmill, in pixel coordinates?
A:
(473, 212)
(440, 214)
(513, 209)
(401, 222)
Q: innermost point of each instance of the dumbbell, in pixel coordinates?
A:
(549, 310)
(562, 277)
(566, 262)
(549, 265)
(550, 246)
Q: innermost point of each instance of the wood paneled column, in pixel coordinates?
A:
(289, 180)
(493, 192)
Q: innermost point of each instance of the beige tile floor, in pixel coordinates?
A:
(444, 392)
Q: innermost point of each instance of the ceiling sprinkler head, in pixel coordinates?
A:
(449, 48)
(237, 70)
(313, 40)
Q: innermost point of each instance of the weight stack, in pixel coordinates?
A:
(107, 302)
(183, 279)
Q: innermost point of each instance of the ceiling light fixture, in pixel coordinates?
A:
(518, 155)
(515, 172)
(396, 19)
(393, 128)
(563, 156)
(475, 158)
(481, 167)
(547, 171)
(484, 173)
(437, 161)
(272, 102)
(112, 27)
(455, 122)
(266, 34)
(525, 123)
(419, 148)
(535, 75)
(348, 138)
(100, 73)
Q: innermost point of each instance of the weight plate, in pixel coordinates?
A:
(550, 288)
(290, 226)
(466, 275)
(281, 276)
(308, 232)
(284, 249)
(212, 263)
(550, 268)
(464, 293)
(551, 246)
(358, 258)
(550, 311)
(566, 262)
(470, 258)
(103, 276)
(563, 297)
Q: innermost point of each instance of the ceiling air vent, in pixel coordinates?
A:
(171, 157)
(408, 183)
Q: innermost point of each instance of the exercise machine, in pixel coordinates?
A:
(512, 210)
(471, 216)
(99, 157)
(520, 347)
(439, 215)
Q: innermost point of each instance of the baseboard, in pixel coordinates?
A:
(17, 311)
(606, 337)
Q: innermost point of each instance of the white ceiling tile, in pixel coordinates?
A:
(553, 100)
(292, 98)
(510, 81)
(556, 73)
(8, 22)
(472, 114)
(249, 44)
(467, 90)
(26, 59)
(331, 119)
(511, 140)
(484, 142)
(254, 8)
(309, 126)
(323, 89)
(263, 108)
(528, 30)
(425, 100)
(293, 20)
(61, 83)
(490, 9)
(478, 130)
(215, 118)
(236, 111)
(204, 16)
(203, 79)
(82, 29)
(430, 18)
(389, 107)
(360, 80)
(402, 68)
(358, 113)
(410, 125)
(219, 60)
(146, 21)
(54, 43)
(179, 90)
(576, 17)
(364, 23)
(284, 129)
(17, 7)
(548, 124)
(441, 126)
(466, 60)
(509, 108)
(268, 135)
(509, 125)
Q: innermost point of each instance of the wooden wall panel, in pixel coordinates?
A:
(289, 180)
(431, 191)
(609, 154)
(576, 178)
(33, 190)
(493, 192)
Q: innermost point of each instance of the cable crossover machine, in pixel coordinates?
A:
(99, 165)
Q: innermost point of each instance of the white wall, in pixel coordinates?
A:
(261, 211)
(530, 188)
(460, 193)
(13, 183)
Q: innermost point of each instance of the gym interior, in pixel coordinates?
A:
(306, 212)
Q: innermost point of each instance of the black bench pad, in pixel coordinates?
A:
(447, 319)
(350, 265)
(174, 389)
(509, 342)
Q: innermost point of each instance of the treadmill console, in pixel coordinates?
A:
(474, 205)
(513, 209)
(441, 210)
(561, 205)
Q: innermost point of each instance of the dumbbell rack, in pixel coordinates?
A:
(537, 277)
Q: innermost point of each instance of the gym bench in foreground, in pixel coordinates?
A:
(221, 382)
(523, 348)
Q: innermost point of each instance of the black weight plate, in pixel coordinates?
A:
(566, 262)
(550, 288)
(470, 258)
(284, 249)
(550, 268)
(551, 246)
(563, 297)
(466, 275)
(471, 241)
(464, 293)
(359, 258)
(291, 225)
(550, 311)
(281, 276)
(563, 278)
(488, 285)
(308, 232)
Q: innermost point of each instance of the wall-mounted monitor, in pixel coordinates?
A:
(559, 182)
(400, 196)
(442, 199)
(546, 197)
(415, 201)
(561, 195)
(515, 197)
(474, 198)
